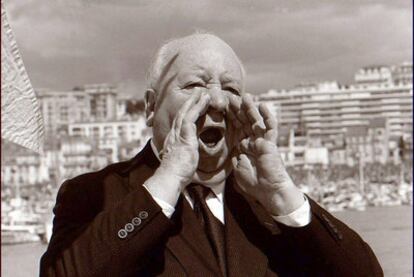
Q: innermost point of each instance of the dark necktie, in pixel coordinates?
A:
(213, 227)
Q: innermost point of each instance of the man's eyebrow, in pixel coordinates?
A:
(228, 78)
(167, 67)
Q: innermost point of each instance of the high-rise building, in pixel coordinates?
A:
(60, 108)
(325, 112)
(87, 103)
(382, 74)
(102, 101)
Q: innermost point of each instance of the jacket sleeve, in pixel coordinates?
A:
(328, 247)
(90, 241)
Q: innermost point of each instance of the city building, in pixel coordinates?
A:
(403, 73)
(102, 101)
(382, 74)
(325, 112)
(78, 155)
(375, 74)
(59, 108)
(299, 150)
(111, 134)
(370, 143)
(86, 103)
(22, 167)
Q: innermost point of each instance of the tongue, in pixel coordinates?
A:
(211, 136)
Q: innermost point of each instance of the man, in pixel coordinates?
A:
(207, 196)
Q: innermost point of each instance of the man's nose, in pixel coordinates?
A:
(218, 99)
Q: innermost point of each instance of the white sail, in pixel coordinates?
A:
(21, 120)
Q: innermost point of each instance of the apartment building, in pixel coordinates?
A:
(325, 111)
(111, 134)
(86, 103)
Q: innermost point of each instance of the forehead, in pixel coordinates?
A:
(214, 57)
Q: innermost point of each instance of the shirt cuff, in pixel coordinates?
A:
(167, 209)
(298, 218)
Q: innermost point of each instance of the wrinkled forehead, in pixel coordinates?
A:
(213, 54)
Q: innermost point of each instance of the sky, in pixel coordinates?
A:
(282, 43)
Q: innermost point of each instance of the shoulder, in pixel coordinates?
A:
(88, 190)
(92, 178)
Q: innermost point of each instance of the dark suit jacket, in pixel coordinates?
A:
(91, 210)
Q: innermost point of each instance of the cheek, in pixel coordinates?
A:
(170, 106)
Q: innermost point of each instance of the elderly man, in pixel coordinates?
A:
(207, 196)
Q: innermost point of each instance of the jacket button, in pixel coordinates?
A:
(129, 227)
(143, 214)
(122, 234)
(136, 221)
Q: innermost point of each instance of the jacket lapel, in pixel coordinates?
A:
(244, 257)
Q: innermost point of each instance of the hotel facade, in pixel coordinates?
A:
(329, 114)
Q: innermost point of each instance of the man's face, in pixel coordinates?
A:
(208, 67)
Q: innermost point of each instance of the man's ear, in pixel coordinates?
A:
(150, 99)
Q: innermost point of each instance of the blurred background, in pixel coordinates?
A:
(337, 74)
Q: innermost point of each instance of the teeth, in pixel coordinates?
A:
(210, 144)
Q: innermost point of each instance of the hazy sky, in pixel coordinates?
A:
(65, 43)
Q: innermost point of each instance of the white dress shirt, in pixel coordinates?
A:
(215, 202)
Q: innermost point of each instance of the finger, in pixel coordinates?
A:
(269, 120)
(188, 128)
(250, 109)
(235, 110)
(235, 162)
(184, 109)
(198, 108)
(245, 164)
(247, 147)
(233, 119)
(235, 104)
(255, 119)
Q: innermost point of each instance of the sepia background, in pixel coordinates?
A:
(337, 74)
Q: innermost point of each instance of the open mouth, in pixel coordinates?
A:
(211, 136)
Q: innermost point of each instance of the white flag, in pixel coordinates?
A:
(21, 120)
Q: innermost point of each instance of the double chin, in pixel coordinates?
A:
(210, 173)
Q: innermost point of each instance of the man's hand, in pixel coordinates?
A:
(179, 156)
(258, 167)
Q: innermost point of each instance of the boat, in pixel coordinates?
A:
(20, 225)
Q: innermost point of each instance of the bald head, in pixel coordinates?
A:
(192, 44)
(194, 65)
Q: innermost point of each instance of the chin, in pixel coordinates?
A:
(213, 170)
(215, 177)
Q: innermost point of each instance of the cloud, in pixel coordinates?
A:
(67, 43)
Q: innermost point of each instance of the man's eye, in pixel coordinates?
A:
(232, 90)
(193, 85)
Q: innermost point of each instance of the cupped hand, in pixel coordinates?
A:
(257, 163)
(179, 156)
